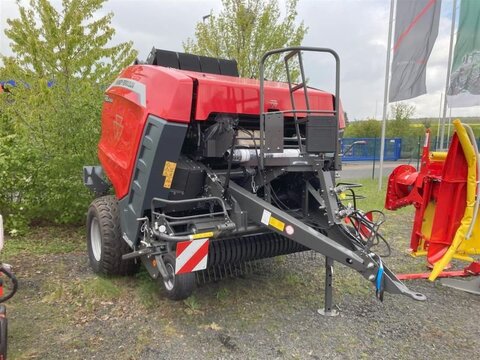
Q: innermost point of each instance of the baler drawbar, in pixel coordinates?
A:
(211, 169)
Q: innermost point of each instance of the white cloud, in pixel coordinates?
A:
(356, 29)
(8, 9)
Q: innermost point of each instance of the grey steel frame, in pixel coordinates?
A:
(365, 263)
(292, 51)
(219, 225)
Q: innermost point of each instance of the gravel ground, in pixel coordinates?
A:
(64, 311)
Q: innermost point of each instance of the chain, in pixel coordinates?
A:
(254, 186)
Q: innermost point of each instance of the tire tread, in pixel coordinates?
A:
(113, 246)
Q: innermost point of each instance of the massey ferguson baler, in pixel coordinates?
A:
(210, 170)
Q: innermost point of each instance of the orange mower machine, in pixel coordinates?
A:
(446, 198)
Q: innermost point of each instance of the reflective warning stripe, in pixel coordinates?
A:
(277, 224)
(202, 264)
(202, 235)
(191, 256)
(269, 220)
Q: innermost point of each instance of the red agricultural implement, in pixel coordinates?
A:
(211, 171)
(446, 198)
(8, 288)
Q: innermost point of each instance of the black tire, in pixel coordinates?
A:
(104, 239)
(180, 286)
(3, 333)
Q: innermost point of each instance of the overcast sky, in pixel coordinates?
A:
(356, 29)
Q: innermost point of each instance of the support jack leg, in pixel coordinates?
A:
(328, 310)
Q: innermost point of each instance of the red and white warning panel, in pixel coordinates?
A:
(191, 256)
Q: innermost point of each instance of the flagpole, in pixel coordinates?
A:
(439, 119)
(385, 96)
(450, 51)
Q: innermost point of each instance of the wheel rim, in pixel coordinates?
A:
(96, 239)
(170, 283)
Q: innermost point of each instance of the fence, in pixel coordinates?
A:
(407, 148)
(412, 146)
(368, 149)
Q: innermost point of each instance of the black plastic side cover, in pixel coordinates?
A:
(156, 161)
(322, 134)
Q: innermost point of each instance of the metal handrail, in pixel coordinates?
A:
(291, 52)
(188, 201)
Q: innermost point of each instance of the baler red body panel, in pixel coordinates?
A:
(228, 94)
(181, 96)
(168, 95)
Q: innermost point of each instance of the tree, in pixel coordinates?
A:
(244, 30)
(60, 45)
(364, 129)
(402, 111)
(399, 126)
(62, 63)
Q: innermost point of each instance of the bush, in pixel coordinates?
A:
(369, 128)
(50, 121)
(43, 150)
